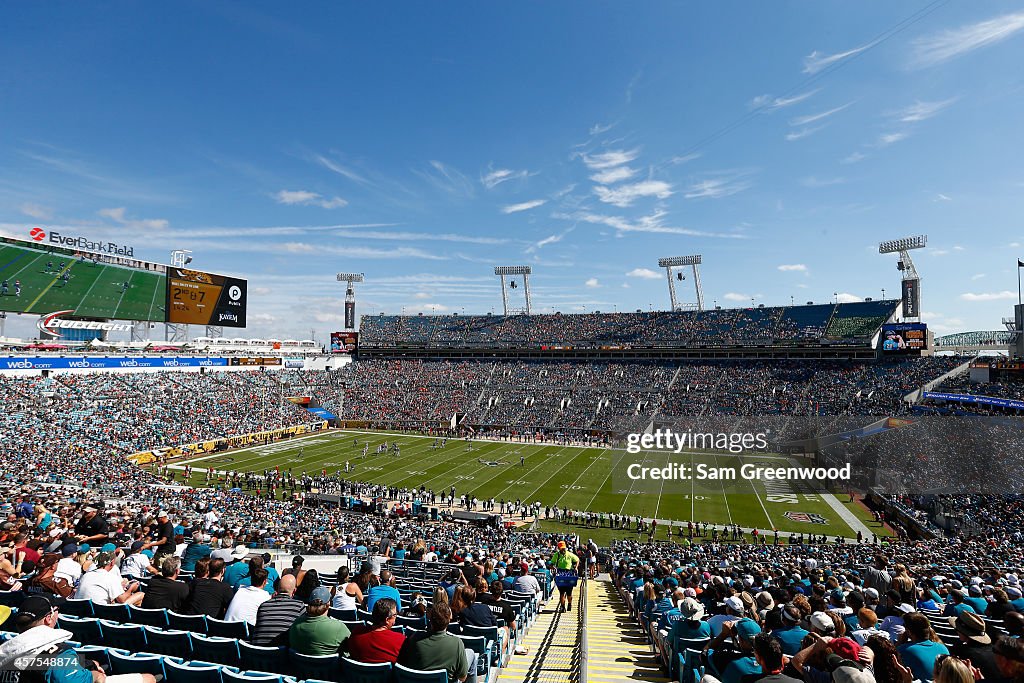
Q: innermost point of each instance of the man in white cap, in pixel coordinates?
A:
(734, 609)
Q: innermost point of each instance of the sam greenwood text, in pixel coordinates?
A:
(666, 439)
(702, 472)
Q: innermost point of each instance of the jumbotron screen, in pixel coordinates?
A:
(904, 337)
(198, 298)
(80, 278)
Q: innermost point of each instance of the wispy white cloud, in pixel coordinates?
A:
(613, 175)
(625, 195)
(118, 215)
(404, 236)
(446, 178)
(952, 43)
(853, 158)
(920, 111)
(644, 274)
(592, 283)
(770, 103)
(597, 128)
(523, 206)
(886, 139)
(610, 159)
(793, 268)
(814, 181)
(816, 61)
(736, 296)
(653, 223)
(811, 118)
(802, 133)
(550, 239)
(716, 186)
(1005, 295)
(940, 197)
(500, 175)
(336, 167)
(307, 198)
(37, 211)
(847, 298)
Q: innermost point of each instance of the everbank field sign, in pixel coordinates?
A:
(77, 242)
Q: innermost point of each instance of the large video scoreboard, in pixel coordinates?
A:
(900, 338)
(81, 279)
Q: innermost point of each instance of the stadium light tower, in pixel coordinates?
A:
(350, 297)
(175, 332)
(669, 264)
(525, 271)
(911, 285)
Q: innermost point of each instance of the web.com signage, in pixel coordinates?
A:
(92, 363)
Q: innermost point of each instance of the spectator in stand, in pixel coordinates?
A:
(39, 640)
(165, 591)
(376, 642)
(248, 599)
(526, 582)
(68, 566)
(194, 551)
(769, 656)
(263, 562)
(316, 633)
(738, 661)
(1009, 652)
(139, 563)
(975, 644)
(386, 589)
(920, 647)
(103, 585)
(790, 634)
(439, 649)
(275, 616)
(310, 582)
(92, 528)
(209, 594)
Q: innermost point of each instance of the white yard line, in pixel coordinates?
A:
(597, 459)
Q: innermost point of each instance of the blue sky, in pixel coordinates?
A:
(424, 143)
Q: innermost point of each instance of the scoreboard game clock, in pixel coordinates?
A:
(198, 298)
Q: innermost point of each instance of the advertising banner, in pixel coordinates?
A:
(91, 363)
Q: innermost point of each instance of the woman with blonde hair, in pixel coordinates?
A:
(952, 670)
(902, 583)
(43, 517)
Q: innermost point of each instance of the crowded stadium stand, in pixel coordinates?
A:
(107, 567)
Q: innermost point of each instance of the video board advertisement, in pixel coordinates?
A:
(344, 342)
(900, 338)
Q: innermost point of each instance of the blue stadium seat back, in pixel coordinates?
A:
(191, 672)
(98, 653)
(135, 663)
(232, 675)
(130, 637)
(86, 630)
(215, 649)
(75, 608)
(344, 614)
(263, 658)
(482, 648)
(112, 612)
(454, 628)
(359, 672)
(490, 636)
(411, 622)
(323, 667)
(194, 623)
(406, 675)
(227, 629)
(147, 617)
(169, 642)
(364, 615)
(352, 625)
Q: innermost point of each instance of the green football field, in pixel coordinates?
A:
(91, 291)
(571, 477)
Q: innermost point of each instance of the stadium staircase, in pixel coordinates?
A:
(616, 648)
(557, 647)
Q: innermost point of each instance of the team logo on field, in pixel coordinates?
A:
(806, 517)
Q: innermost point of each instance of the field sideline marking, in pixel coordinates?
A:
(725, 495)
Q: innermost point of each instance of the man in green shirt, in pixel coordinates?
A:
(438, 649)
(566, 565)
(315, 633)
